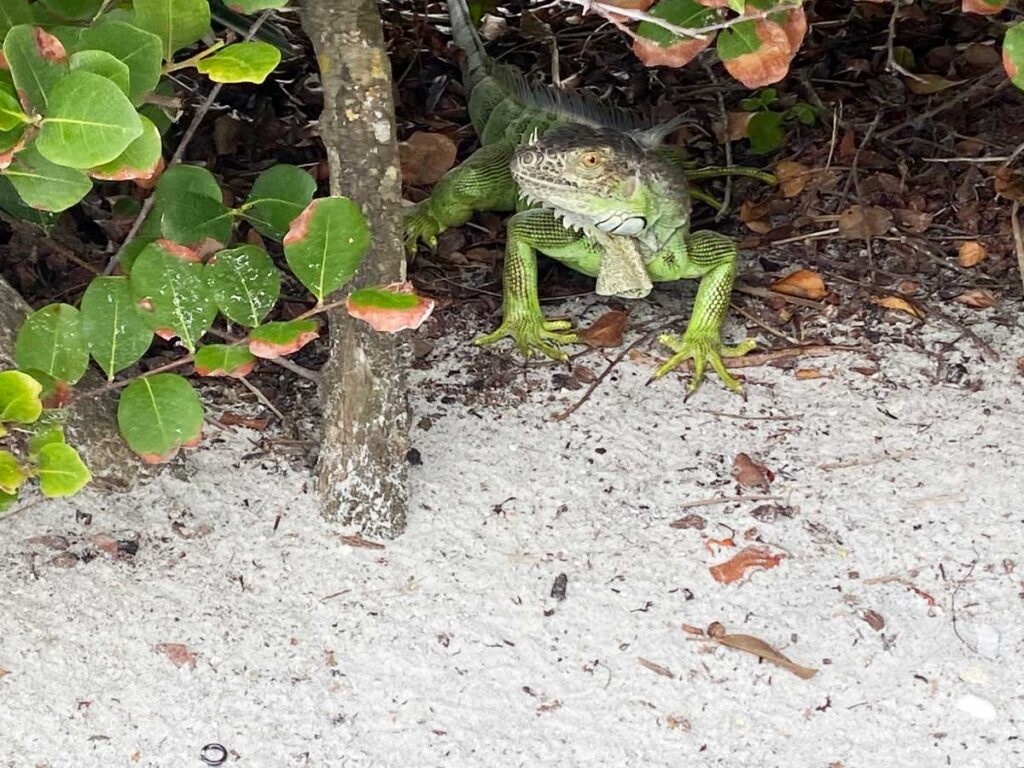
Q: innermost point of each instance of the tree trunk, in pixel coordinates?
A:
(92, 424)
(362, 466)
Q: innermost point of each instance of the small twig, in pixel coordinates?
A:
(808, 236)
(262, 398)
(866, 461)
(956, 97)
(115, 385)
(952, 604)
(836, 117)
(853, 177)
(1018, 239)
(890, 59)
(764, 326)
(724, 500)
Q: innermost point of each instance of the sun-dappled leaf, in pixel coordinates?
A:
(174, 293)
(159, 414)
(281, 338)
(326, 244)
(19, 397)
(249, 62)
(178, 23)
(37, 60)
(389, 308)
(115, 330)
(278, 196)
(245, 284)
(224, 360)
(45, 185)
(51, 340)
(60, 470)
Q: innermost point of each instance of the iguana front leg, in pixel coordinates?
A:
(482, 183)
(712, 257)
(528, 232)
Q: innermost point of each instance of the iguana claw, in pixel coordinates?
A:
(420, 225)
(529, 333)
(702, 348)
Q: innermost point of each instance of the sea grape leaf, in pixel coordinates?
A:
(159, 414)
(178, 23)
(245, 283)
(224, 360)
(44, 185)
(19, 398)
(60, 470)
(326, 244)
(51, 340)
(281, 338)
(116, 332)
(37, 61)
(141, 52)
(248, 62)
(277, 197)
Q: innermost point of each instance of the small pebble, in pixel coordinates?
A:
(975, 706)
(975, 674)
(988, 641)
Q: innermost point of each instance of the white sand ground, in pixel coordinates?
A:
(442, 648)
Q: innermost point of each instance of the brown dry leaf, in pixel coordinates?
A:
(654, 667)
(847, 146)
(751, 211)
(736, 567)
(689, 521)
(861, 222)
(793, 177)
(913, 221)
(692, 630)
(426, 157)
(357, 540)
(971, 253)
(607, 330)
(749, 473)
(899, 304)
(1020, 365)
(979, 298)
(982, 56)
(736, 127)
(803, 283)
(677, 55)
(178, 653)
(1008, 184)
(925, 84)
(761, 649)
(803, 374)
(4, 672)
(873, 619)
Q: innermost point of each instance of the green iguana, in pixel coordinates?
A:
(610, 204)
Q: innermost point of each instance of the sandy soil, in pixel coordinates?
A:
(899, 511)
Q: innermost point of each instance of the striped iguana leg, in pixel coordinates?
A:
(482, 183)
(528, 232)
(712, 257)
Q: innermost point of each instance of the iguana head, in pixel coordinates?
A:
(596, 178)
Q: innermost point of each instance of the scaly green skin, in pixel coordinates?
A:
(635, 230)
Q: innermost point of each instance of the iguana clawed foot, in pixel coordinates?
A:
(532, 333)
(420, 226)
(702, 348)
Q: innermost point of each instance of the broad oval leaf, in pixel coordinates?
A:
(73, 10)
(178, 23)
(103, 64)
(11, 114)
(180, 180)
(277, 197)
(159, 414)
(19, 398)
(390, 308)
(173, 294)
(37, 61)
(682, 13)
(1013, 54)
(88, 122)
(224, 360)
(115, 330)
(245, 284)
(281, 338)
(44, 185)
(141, 52)
(192, 218)
(326, 244)
(51, 340)
(60, 470)
(241, 63)
(44, 435)
(13, 13)
(11, 473)
(141, 160)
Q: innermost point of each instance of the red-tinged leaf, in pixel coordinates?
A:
(50, 48)
(224, 360)
(178, 653)
(391, 308)
(607, 330)
(984, 7)
(677, 55)
(7, 157)
(278, 339)
(1013, 53)
(183, 252)
(746, 559)
(749, 473)
(656, 46)
(758, 52)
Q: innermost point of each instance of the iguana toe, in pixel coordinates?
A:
(702, 349)
(533, 334)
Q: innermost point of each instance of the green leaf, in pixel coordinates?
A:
(89, 122)
(19, 398)
(11, 473)
(47, 435)
(253, 6)
(180, 180)
(1013, 54)
(6, 501)
(140, 51)
(765, 132)
(278, 196)
(381, 298)
(178, 23)
(192, 218)
(241, 63)
(682, 13)
(477, 9)
(326, 244)
(11, 202)
(13, 13)
(738, 40)
(73, 9)
(245, 284)
(803, 112)
(11, 114)
(37, 61)
(177, 293)
(51, 340)
(281, 338)
(103, 64)
(736, 5)
(61, 471)
(44, 185)
(140, 160)
(158, 414)
(116, 332)
(224, 360)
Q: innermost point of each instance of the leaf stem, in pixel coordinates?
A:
(191, 61)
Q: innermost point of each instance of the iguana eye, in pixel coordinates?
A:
(590, 159)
